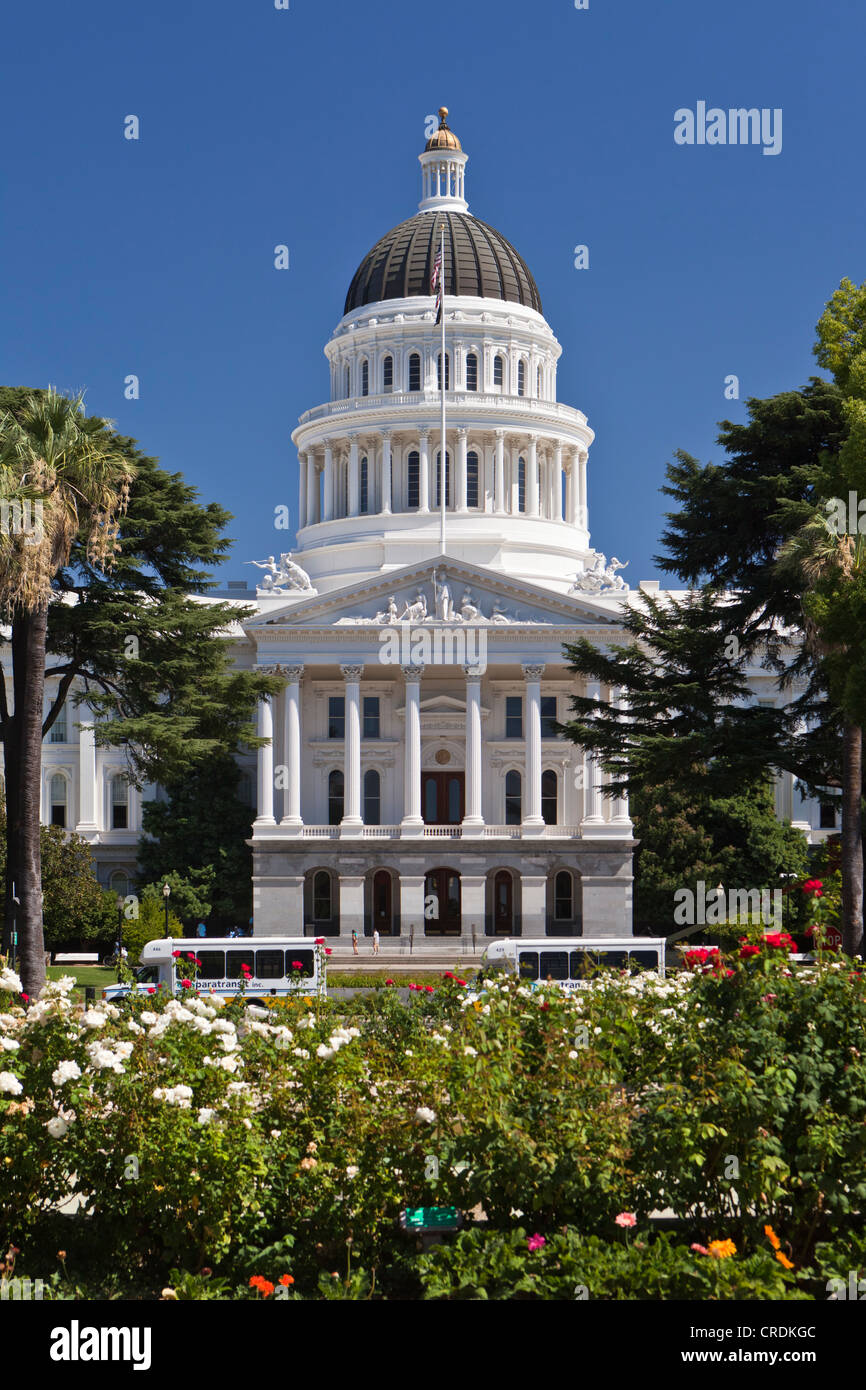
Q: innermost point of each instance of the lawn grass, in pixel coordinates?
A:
(97, 976)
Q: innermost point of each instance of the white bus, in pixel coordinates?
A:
(275, 965)
(571, 961)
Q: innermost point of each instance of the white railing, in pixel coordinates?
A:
(529, 405)
(442, 832)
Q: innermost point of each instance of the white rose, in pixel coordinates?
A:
(425, 1115)
(10, 1084)
(57, 1127)
(93, 1018)
(205, 1115)
(65, 1071)
(9, 1045)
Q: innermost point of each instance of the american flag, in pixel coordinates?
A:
(436, 283)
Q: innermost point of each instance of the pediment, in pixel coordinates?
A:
(441, 591)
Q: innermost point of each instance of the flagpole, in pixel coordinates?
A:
(443, 469)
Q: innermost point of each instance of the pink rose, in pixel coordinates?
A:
(535, 1243)
(626, 1218)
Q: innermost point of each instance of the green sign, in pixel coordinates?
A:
(421, 1219)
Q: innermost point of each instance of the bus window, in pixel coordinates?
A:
(581, 967)
(213, 965)
(554, 964)
(147, 974)
(306, 959)
(528, 961)
(269, 965)
(234, 961)
(647, 959)
(614, 959)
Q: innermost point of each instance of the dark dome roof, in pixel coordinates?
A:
(478, 262)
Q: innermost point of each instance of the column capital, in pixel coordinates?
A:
(353, 672)
(412, 673)
(293, 674)
(533, 672)
(499, 434)
(387, 432)
(473, 673)
(462, 431)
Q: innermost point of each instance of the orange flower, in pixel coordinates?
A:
(783, 1260)
(286, 1279)
(264, 1286)
(721, 1249)
(772, 1237)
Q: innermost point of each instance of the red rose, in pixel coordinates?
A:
(461, 982)
(320, 941)
(429, 989)
(185, 984)
(151, 989)
(328, 951)
(297, 965)
(389, 982)
(749, 949)
(176, 955)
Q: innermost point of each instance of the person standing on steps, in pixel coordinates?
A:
(376, 942)
(354, 941)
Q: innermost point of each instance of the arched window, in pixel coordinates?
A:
(498, 363)
(513, 798)
(549, 797)
(447, 481)
(521, 378)
(415, 371)
(57, 790)
(521, 485)
(335, 797)
(472, 479)
(365, 495)
(538, 390)
(447, 372)
(472, 372)
(119, 803)
(563, 896)
(322, 897)
(119, 883)
(347, 380)
(365, 378)
(388, 374)
(372, 798)
(413, 475)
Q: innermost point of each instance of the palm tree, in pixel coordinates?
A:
(833, 566)
(62, 471)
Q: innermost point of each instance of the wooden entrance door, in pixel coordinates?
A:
(444, 886)
(503, 904)
(442, 797)
(382, 917)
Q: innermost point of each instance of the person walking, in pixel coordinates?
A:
(376, 942)
(354, 941)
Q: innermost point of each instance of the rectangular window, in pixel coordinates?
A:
(58, 731)
(213, 965)
(336, 716)
(497, 371)
(528, 965)
(302, 957)
(413, 475)
(371, 716)
(514, 716)
(554, 964)
(472, 480)
(58, 816)
(388, 374)
(828, 818)
(472, 372)
(269, 965)
(521, 485)
(415, 372)
(364, 487)
(548, 716)
(234, 961)
(447, 372)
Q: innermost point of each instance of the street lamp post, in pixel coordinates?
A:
(166, 893)
(119, 926)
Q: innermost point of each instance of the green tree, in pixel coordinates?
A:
(75, 907)
(190, 894)
(78, 478)
(203, 824)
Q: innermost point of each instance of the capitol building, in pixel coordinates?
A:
(412, 780)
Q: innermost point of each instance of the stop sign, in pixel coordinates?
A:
(833, 937)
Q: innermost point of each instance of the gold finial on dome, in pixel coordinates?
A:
(443, 138)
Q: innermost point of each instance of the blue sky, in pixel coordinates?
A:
(302, 126)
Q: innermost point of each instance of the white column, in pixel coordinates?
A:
(302, 491)
(532, 817)
(423, 471)
(292, 745)
(473, 817)
(499, 479)
(592, 796)
(266, 763)
(461, 470)
(329, 510)
(87, 775)
(620, 809)
(574, 491)
(386, 473)
(354, 476)
(557, 483)
(352, 780)
(312, 490)
(412, 819)
(532, 477)
(584, 519)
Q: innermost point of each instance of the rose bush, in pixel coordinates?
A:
(195, 1144)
